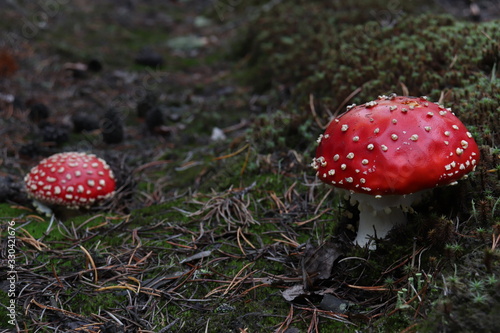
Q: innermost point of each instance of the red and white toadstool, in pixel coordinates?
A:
(386, 152)
(72, 179)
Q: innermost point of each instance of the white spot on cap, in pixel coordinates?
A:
(355, 139)
(459, 151)
(350, 156)
(70, 189)
(469, 135)
(57, 190)
(102, 182)
(394, 137)
(455, 127)
(350, 106)
(78, 173)
(370, 146)
(465, 144)
(80, 189)
(427, 128)
(394, 121)
(393, 107)
(384, 147)
(349, 179)
(376, 131)
(447, 133)
(344, 127)
(430, 114)
(336, 157)
(314, 164)
(343, 166)
(404, 110)
(91, 182)
(68, 176)
(414, 137)
(364, 162)
(331, 172)
(51, 179)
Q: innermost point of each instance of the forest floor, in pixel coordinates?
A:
(219, 223)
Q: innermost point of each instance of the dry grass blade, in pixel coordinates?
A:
(239, 151)
(314, 114)
(91, 261)
(240, 234)
(301, 223)
(280, 205)
(234, 282)
(347, 99)
(29, 239)
(230, 207)
(286, 323)
(288, 241)
(53, 308)
(313, 325)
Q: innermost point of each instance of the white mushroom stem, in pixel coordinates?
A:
(374, 222)
(378, 215)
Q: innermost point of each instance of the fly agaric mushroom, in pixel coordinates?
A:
(388, 151)
(71, 179)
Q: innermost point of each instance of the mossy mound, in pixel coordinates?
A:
(330, 50)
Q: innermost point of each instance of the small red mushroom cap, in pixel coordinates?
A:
(395, 145)
(71, 179)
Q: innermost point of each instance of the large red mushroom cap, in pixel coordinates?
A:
(386, 152)
(395, 145)
(71, 179)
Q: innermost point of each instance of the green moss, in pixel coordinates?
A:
(5, 301)
(330, 57)
(8, 211)
(80, 303)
